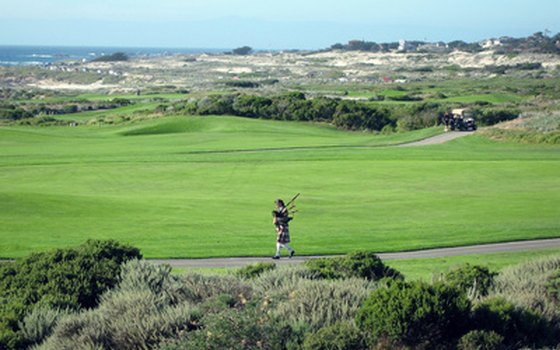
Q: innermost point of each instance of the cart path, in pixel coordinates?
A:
(433, 140)
(438, 139)
(428, 253)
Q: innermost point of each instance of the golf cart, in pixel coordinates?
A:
(462, 120)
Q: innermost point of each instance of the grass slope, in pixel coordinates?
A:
(204, 186)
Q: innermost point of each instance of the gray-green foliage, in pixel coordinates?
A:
(39, 323)
(541, 121)
(124, 320)
(525, 285)
(148, 306)
(250, 327)
(309, 303)
(151, 308)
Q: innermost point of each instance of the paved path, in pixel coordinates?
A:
(429, 253)
(438, 139)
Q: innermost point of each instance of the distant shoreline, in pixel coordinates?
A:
(29, 55)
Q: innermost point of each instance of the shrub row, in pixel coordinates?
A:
(304, 307)
(344, 114)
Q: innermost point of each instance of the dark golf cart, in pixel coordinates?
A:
(462, 120)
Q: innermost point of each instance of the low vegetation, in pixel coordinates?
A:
(294, 307)
(530, 128)
(114, 57)
(35, 291)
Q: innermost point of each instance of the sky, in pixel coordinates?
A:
(263, 24)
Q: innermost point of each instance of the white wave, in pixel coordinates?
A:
(21, 63)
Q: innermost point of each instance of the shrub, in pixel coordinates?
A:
(523, 136)
(197, 288)
(339, 336)
(525, 285)
(360, 264)
(249, 328)
(39, 323)
(66, 278)
(252, 271)
(476, 280)
(138, 323)
(416, 314)
(313, 304)
(242, 84)
(243, 50)
(115, 57)
(494, 116)
(553, 287)
(388, 129)
(519, 327)
(481, 340)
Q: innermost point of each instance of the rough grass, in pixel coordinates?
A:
(200, 187)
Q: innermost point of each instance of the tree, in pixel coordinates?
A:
(116, 57)
(243, 50)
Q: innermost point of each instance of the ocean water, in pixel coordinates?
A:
(43, 55)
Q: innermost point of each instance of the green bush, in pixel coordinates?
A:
(66, 278)
(243, 84)
(495, 116)
(416, 314)
(476, 280)
(115, 57)
(481, 340)
(360, 264)
(518, 326)
(339, 336)
(252, 271)
(344, 114)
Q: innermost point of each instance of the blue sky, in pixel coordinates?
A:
(287, 24)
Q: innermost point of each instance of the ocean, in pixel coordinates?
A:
(43, 55)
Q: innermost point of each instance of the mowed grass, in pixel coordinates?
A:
(428, 269)
(205, 186)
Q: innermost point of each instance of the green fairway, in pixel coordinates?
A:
(205, 186)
